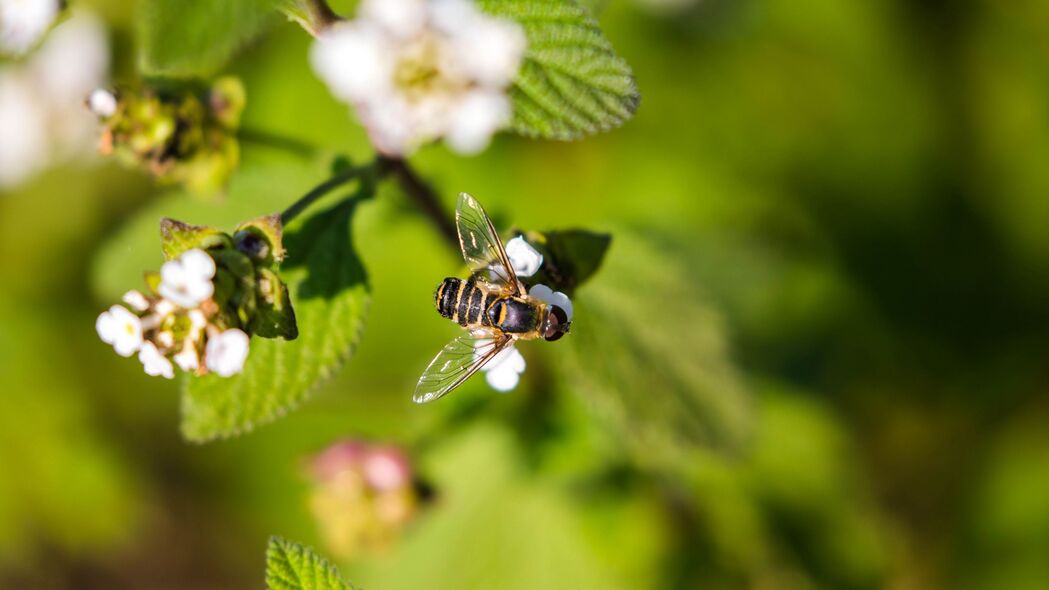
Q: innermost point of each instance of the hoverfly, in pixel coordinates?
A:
(492, 305)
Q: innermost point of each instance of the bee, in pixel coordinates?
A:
(492, 305)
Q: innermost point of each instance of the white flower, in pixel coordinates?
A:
(186, 282)
(120, 328)
(420, 70)
(504, 370)
(24, 22)
(135, 300)
(23, 119)
(552, 297)
(102, 103)
(525, 259)
(226, 352)
(42, 112)
(188, 359)
(155, 363)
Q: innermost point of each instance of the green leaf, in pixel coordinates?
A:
(642, 311)
(290, 566)
(270, 229)
(274, 316)
(329, 289)
(177, 237)
(571, 256)
(190, 38)
(571, 83)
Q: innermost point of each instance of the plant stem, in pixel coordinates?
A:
(273, 140)
(423, 195)
(322, 189)
(320, 16)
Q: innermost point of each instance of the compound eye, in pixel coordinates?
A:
(556, 320)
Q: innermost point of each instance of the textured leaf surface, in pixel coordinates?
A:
(330, 295)
(336, 293)
(571, 83)
(186, 38)
(653, 358)
(290, 566)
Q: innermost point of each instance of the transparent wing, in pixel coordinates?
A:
(482, 248)
(459, 359)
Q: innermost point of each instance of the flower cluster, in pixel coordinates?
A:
(179, 136)
(42, 116)
(363, 496)
(504, 371)
(177, 324)
(214, 291)
(420, 70)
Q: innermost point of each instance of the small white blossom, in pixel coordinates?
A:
(135, 300)
(187, 359)
(102, 102)
(42, 114)
(24, 22)
(155, 363)
(186, 282)
(552, 297)
(525, 259)
(120, 328)
(420, 70)
(503, 372)
(226, 352)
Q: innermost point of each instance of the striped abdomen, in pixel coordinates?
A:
(464, 302)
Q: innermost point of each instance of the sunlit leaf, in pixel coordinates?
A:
(329, 290)
(290, 566)
(186, 38)
(571, 83)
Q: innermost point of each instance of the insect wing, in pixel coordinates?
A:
(459, 359)
(482, 248)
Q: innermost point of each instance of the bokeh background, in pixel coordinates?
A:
(816, 356)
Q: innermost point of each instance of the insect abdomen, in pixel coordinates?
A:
(462, 302)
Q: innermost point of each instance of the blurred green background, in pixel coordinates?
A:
(816, 356)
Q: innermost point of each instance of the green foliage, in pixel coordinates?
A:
(177, 237)
(325, 282)
(290, 566)
(571, 83)
(654, 360)
(570, 257)
(188, 38)
(328, 285)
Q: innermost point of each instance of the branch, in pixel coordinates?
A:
(423, 195)
(314, 15)
(322, 189)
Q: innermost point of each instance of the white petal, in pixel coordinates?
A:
(355, 60)
(479, 115)
(553, 298)
(120, 328)
(504, 380)
(488, 50)
(198, 263)
(23, 22)
(154, 363)
(525, 259)
(402, 18)
(186, 282)
(508, 359)
(72, 62)
(225, 353)
(23, 119)
(187, 359)
(135, 300)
